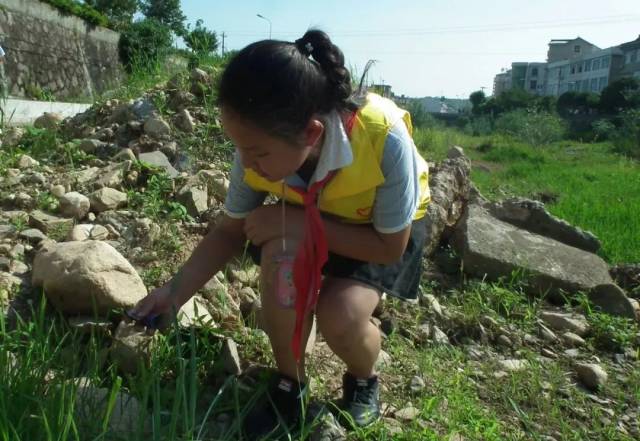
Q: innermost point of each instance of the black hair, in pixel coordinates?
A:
(279, 85)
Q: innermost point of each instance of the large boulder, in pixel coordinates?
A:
(158, 159)
(450, 186)
(107, 199)
(494, 249)
(87, 277)
(532, 216)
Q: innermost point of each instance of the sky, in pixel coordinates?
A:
(431, 47)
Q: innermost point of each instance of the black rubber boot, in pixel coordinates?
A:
(279, 412)
(360, 400)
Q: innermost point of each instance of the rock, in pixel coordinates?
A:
(5, 264)
(417, 385)
(504, 340)
(547, 334)
(48, 120)
(91, 405)
(407, 414)
(450, 187)
(627, 276)
(248, 277)
(113, 175)
(185, 122)
(9, 283)
(107, 199)
(566, 322)
(158, 159)
(455, 152)
(181, 99)
(125, 155)
(50, 224)
(493, 249)
(325, 425)
(142, 108)
(533, 217)
(7, 231)
(230, 357)
(195, 200)
(12, 137)
(431, 303)
(75, 205)
(26, 161)
(610, 298)
(88, 325)
(513, 365)
(88, 231)
(19, 268)
(591, 375)
(439, 337)
(132, 347)
(156, 127)
(32, 235)
(384, 360)
(194, 313)
(91, 146)
(87, 278)
(573, 340)
(57, 191)
(200, 76)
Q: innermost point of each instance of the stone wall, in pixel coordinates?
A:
(58, 54)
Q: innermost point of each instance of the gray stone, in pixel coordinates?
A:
(195, 313)
(533, 217)
(430, 302)
(417, 384)
(230, 357)
(26, 162)
(407, 414)
(48, 223)
(513, 365)
(195, 200)
(455, 152)
(200, 76)
(384, 360)
(185, 122)
(494, 249)
(156, 127)
(547, 334)
(48, 120)
(216, 182)
(32, 235)
(113, 175)
(7, 231)
(57, 190)
(610, 298)
(87, 278)
(19, 268)
(107, 199)
(591, 375)
(439, 337)
(142, 108)
(5, 264)
(91, 146)
(132, 347)
(158, 159)
(91, 405)
(573, 340)
(125, 155)
(87, 231)
(558, 321)
(450, 187)
(12, 137)
(74, 204)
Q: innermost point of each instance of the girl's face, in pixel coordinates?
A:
(271, 157)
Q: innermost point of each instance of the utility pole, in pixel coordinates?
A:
(269, 21)
(223, 37)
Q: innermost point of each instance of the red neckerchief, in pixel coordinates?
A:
(312, 254)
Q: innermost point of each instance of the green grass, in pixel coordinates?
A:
(590, 186)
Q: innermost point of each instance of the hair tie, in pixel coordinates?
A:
(305, 49)
(309, 48)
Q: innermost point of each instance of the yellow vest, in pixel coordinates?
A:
(351, 193)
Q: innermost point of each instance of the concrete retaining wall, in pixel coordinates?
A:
(60, 55)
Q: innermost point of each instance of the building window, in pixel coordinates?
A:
(633, 56)
(602, 83)
(596, 64)
(580, 67)
(587, 65)
(534, 72)
(594, 85)
(533, 84)
(576, 49)
(605, 62)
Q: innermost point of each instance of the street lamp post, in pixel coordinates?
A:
(269, 21)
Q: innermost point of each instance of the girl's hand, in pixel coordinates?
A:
(265, 224)
(160, 302)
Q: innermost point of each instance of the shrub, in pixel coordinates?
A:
(532, 127)
(479, 126)
(626, 138)
(602, 129)
(144, 43)
(85, 12)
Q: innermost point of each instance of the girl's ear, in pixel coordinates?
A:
(313, 132)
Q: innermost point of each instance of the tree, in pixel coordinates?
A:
(144, 43)
(201, 40)
(576, 103)
(620, 95)
(119, 12)
(477, 99)
(166, 12)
